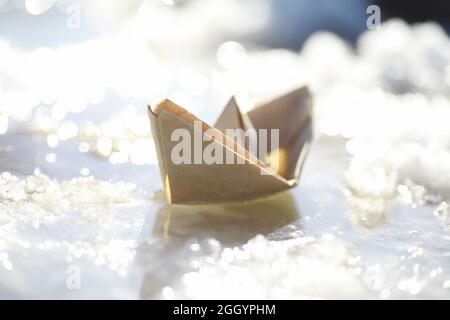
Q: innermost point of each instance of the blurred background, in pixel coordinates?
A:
(79, 182)
(285, 23)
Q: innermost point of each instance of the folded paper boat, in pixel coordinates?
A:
(254, 176)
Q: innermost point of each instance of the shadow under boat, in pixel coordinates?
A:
(231, 224)
(176, 226)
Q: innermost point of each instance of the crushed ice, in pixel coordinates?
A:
(388, 98)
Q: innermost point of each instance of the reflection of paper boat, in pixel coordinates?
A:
(221, 183)
(230, 223)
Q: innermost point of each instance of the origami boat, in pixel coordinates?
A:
(252, 176)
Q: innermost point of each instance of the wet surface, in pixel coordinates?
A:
(82, 213)
(145, 247)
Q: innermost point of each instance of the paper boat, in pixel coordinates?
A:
(255, 177)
